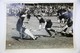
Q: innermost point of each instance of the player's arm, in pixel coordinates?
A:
(44, 24)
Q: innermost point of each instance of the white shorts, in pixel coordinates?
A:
(28, 32)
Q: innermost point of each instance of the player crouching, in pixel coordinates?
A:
(67, 29)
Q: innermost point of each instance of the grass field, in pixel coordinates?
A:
(41, 42)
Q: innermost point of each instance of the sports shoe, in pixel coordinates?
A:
(36, 38)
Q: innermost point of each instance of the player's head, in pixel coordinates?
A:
(48, 20)
(39, 17)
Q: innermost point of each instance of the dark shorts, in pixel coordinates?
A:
(61, 17)
(69, 24)
(28, 16)
(19, 25)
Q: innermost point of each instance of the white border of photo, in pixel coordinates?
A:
(76, 29)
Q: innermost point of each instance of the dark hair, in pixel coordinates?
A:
(48, 20)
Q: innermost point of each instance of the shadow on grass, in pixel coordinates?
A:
(18, 38)
(42, 35)
(66, 35)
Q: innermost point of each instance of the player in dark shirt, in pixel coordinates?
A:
(28, 17)
(48, 26)
(68, 27)
(41, 21)
(20, 21)
(60, 14)
(21, 13)
(68, 14)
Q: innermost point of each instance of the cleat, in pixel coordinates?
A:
(36, 38)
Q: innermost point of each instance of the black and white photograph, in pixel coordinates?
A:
(39, 25)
